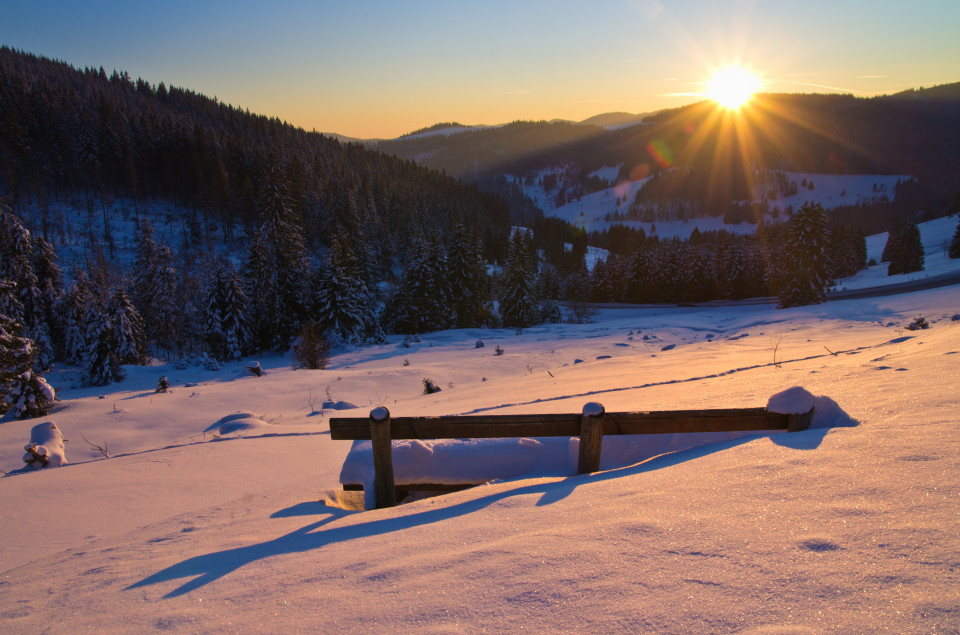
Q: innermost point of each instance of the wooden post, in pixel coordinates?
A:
(591, 438)
(382, 457)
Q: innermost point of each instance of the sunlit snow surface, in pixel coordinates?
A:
(196, 527)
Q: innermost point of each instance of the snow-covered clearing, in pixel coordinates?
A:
(590, 212)
(935, 234)
(847, 529)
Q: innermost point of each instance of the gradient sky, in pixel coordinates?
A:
(383, 68)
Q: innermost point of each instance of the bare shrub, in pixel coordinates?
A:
(311, 350)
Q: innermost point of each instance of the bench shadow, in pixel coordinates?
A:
(204, 569)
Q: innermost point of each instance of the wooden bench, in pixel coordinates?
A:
(590, 426)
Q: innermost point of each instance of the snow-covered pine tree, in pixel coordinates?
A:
(129, 339)
(144, 271)
(278, 268)
(100, 363)
(954, 249)
(517, 297)
(466, 278)
(72, 309)
(808, 264)
(344, 304)
(163, 303)
(908, 256)
(414, 307)
(22, 390)
(233, 315)
(225, 313)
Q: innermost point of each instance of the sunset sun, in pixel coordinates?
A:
(732, 87)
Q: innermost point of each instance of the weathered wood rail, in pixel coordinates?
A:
(591, 426)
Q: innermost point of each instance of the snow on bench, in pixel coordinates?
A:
(391, 456)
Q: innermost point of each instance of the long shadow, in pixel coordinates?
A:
(209, 567)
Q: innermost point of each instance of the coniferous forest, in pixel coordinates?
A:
(327, 237)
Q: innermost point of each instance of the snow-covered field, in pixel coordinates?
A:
(192, 527)
(936, 236)
(590, 212)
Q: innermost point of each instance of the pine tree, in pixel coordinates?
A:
(517, 298)
(466, 278)
(344, 303)
(808, 264)
(100, 363)
(277, 267)
(908, 256)
(954, 250)
(22, 389)
(129, 340)
(224, 315)
(414, 307)
(72, 309)
(894, 235)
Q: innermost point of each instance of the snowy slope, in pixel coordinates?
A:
(936, 236)
(590, 212)
(838, 529)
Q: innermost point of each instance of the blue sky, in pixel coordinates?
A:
(380, 69)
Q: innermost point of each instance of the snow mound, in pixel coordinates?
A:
(46, 446)
(797, 400)
(237, 422)
(337, 405)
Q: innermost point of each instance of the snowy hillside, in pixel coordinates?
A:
(936, 236)
(193, 527)
(592, 212)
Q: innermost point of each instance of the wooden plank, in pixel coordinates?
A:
(564, 425)
(471, 427)
(418, 487)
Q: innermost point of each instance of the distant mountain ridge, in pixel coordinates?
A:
(915, 132)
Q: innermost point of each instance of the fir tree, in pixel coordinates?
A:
(22, 390)
(73, 309)
(415, 307)
(908, 256)
(278, 269)
(344, 303)
(466, 279)
(894, 235)
(129, 340)
(100, 363)
(954, 250)
(808, 264)
(225, 314)
(517, 298)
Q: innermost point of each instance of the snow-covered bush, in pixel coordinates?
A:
(429, 387)
(30, 396)
(46, 447)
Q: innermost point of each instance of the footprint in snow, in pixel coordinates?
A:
(818, 545)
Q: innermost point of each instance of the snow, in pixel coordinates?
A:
(850, 526)
(590, 211)
(46, 447)
(936, 236)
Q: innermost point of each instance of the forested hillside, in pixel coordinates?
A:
(712, 158)
(69, 134)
